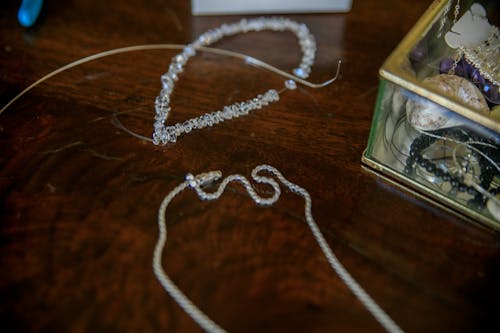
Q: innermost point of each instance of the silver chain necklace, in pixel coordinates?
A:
(196, 183)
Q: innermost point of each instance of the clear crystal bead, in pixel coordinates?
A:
(213, 118)
(175, 68)
(218, 117)
(158, 125)
(201, 123)
(309, 58)
(256, 104)
(173, 76)
(181, 59)
(156, 138)
(170, 134)
(167, 83)
(206, 120)
(227, 113)
(162, 100)
(189, 51)
(160, 116)
(166, 138)
(307, 43)
(290, 84)
(178, 129)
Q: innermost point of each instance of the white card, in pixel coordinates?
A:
(228, 7)
(470, 30)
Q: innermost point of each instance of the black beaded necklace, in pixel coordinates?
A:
(487, 170)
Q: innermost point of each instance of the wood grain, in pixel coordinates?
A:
(79, 196)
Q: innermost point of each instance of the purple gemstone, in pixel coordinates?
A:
(460, 70)
(467, 68)
(476, 77)
(445, 65)
(420, 52)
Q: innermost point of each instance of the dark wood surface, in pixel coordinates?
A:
(79, 196)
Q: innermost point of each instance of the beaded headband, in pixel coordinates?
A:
(164, 134)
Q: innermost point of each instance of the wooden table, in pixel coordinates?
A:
(79, 196)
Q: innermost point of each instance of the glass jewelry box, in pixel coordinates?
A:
(436, 123)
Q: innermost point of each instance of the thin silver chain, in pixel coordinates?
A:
(456, 12)
(196, 183)
(459, 54)
(444, 16)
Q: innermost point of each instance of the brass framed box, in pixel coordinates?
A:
(435, 130)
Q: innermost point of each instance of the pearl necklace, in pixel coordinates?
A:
(203, 179)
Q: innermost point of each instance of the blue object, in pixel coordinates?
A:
(299, 72)
(28, 12)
